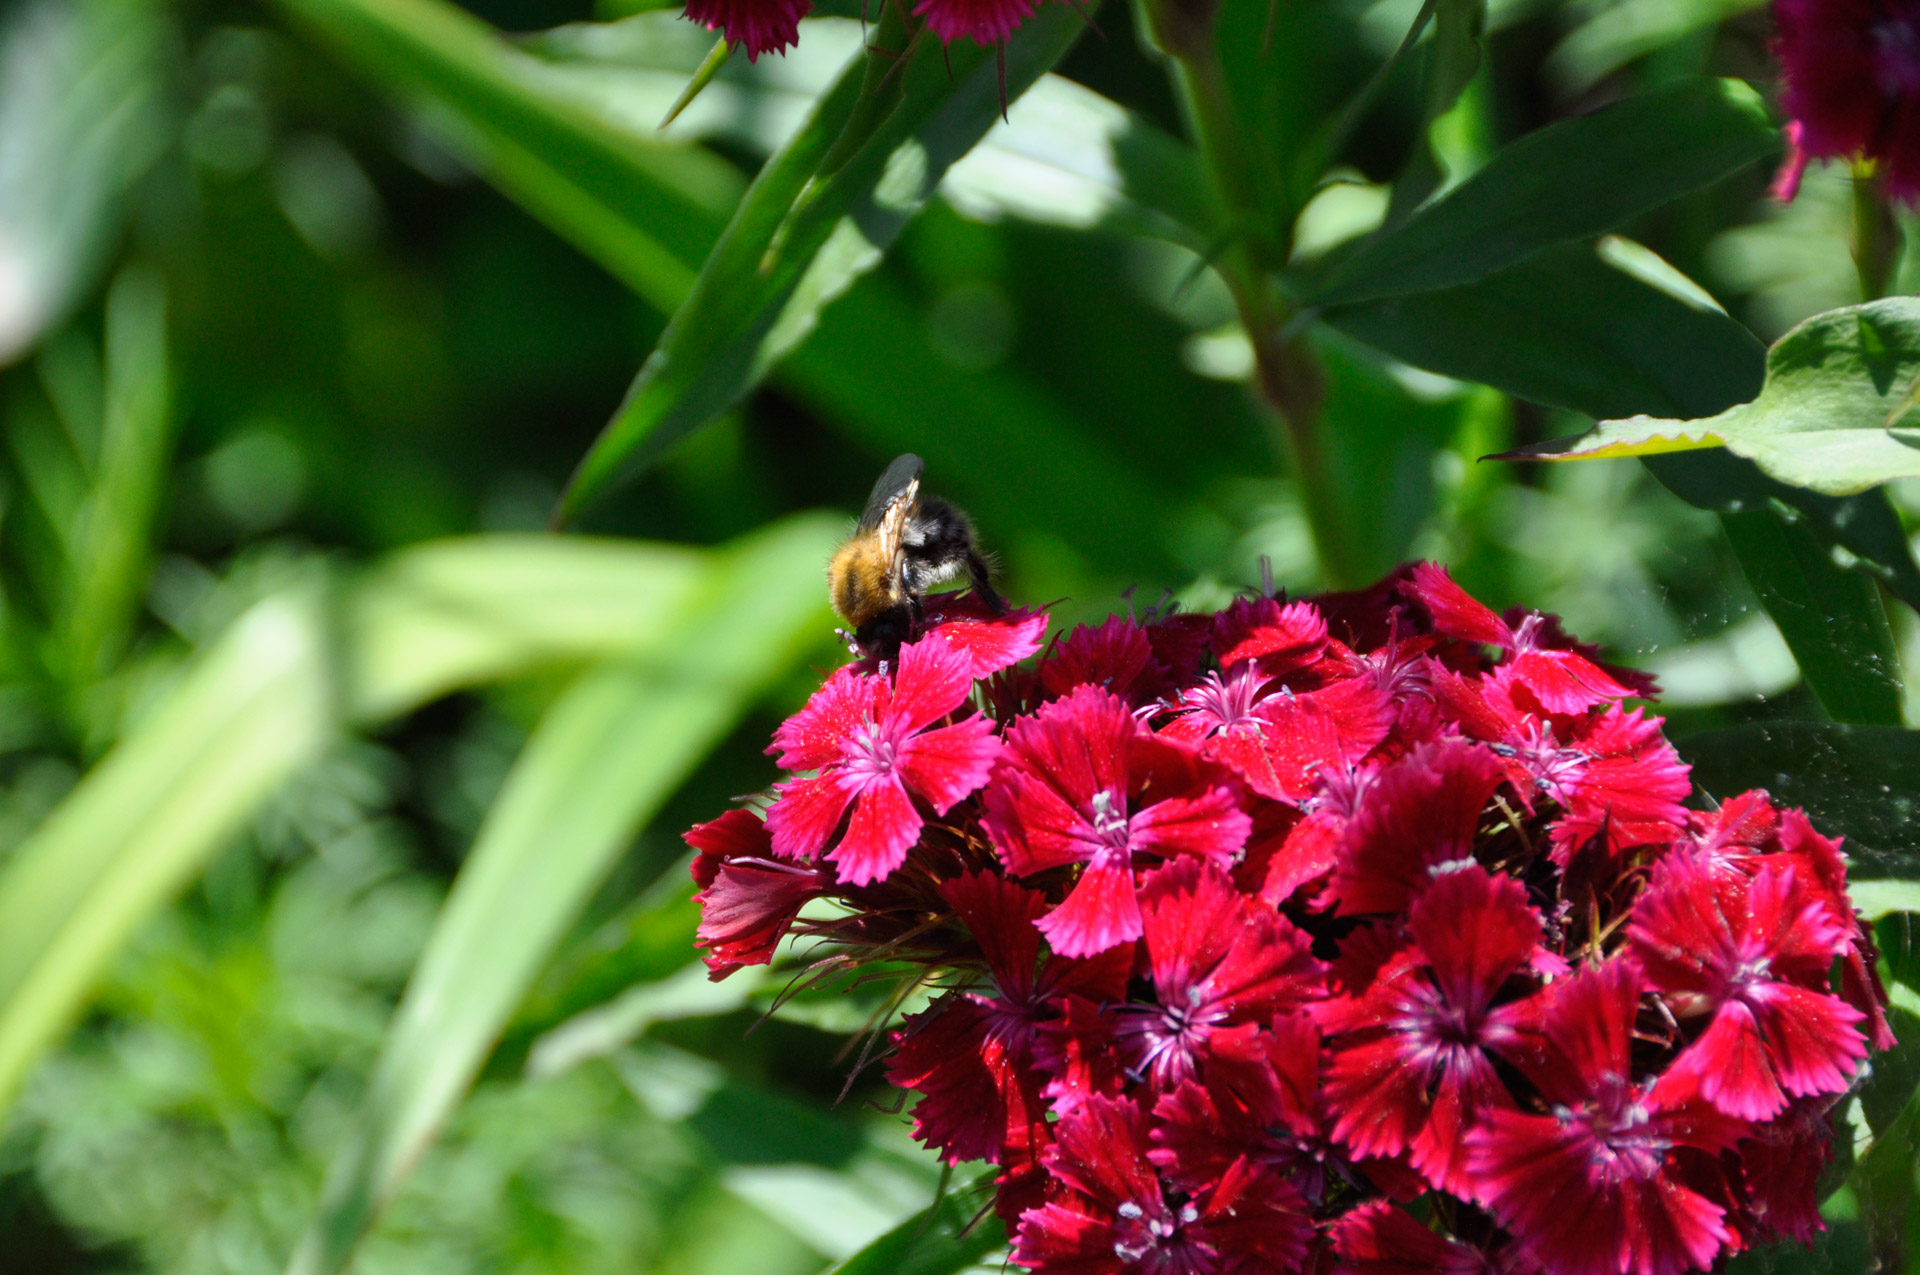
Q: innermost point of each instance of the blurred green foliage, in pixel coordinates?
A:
(288, 288)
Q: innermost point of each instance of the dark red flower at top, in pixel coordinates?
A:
(1114, 1217)
(1562, 680)
(1081, 781)
(1217, 960)
(1605, 1151)
(1412, 1058)
(986, 21)
(1751, 956)
(1853, 83)
(1282, 637)
(1116, 656)
(764, 26)
(870, 741)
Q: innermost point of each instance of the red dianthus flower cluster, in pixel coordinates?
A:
(1259, 927)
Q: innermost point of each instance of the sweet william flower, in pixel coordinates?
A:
(870, 740)
(1115, 1215)
(763, 26)
(1751, 956)
(984, 21)
(1852, 86)
(1083, 782)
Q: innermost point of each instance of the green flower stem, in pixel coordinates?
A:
(1877, 241)
(1286, 371)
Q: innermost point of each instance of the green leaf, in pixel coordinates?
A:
(254, 709)
(1566, 182)
(615, 745)
(1860, 782)
(114, 538)
(1610, 330)
(1835, 384)
(957, 1231)
(1629, 29)
(1832, 619)
(266, 698)
(815, 219)
(648, 210)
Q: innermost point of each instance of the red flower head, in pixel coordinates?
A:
(870, 741)
(1257, 934)
(1217, 960)
(764, 26)
(1083, 782)
(1115, 1215)
(1605, 1150)
(1750, 956)
(1853, 85)
(1412, 1057)
(987, 21)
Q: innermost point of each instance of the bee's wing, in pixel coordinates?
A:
(894, 494)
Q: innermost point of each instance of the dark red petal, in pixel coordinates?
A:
(817, 735)
(1283, 637)
(734, 835)
(1419, 813)
(1100, 1151)
(989, 643)
(933, 679)
(1000, 916)
(1379, 1239)
(1378, 1098)
(1730, 1061)
(805, 813)
(948, 763)
(1564, 681)
(1812, 1039)
(1114, 657)
(1477, 930)
(1456, 613)
(1100, 911)
(883, 828)
(1211, 825)
(746, 909)
(764, 26)
(1032, 826)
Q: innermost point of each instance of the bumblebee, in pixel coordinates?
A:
(904, 544)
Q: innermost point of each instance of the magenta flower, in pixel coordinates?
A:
(1606, 1151)
(1751, 957)
(870, 741)
(1852, 88)
(764, 26)
(1217, 961)
(985, 21)
(1257, 935)
(1560, 679)
(1412, 1057)
(1114, 1214)
(1082, 782)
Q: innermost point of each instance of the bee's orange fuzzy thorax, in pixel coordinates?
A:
(860, 580)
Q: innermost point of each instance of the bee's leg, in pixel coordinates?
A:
(916, 614)
(982, 586)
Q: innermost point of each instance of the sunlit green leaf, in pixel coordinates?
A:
(610, 750)
(815, 219)
(1569, 181)
(1835, 385)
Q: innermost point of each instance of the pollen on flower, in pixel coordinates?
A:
(1267, 934)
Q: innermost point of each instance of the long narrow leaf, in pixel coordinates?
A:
(652, 207)
(614, 746)
(265, 699)
(803, 235)
(1566, 182)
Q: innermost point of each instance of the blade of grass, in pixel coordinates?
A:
(609, 751)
